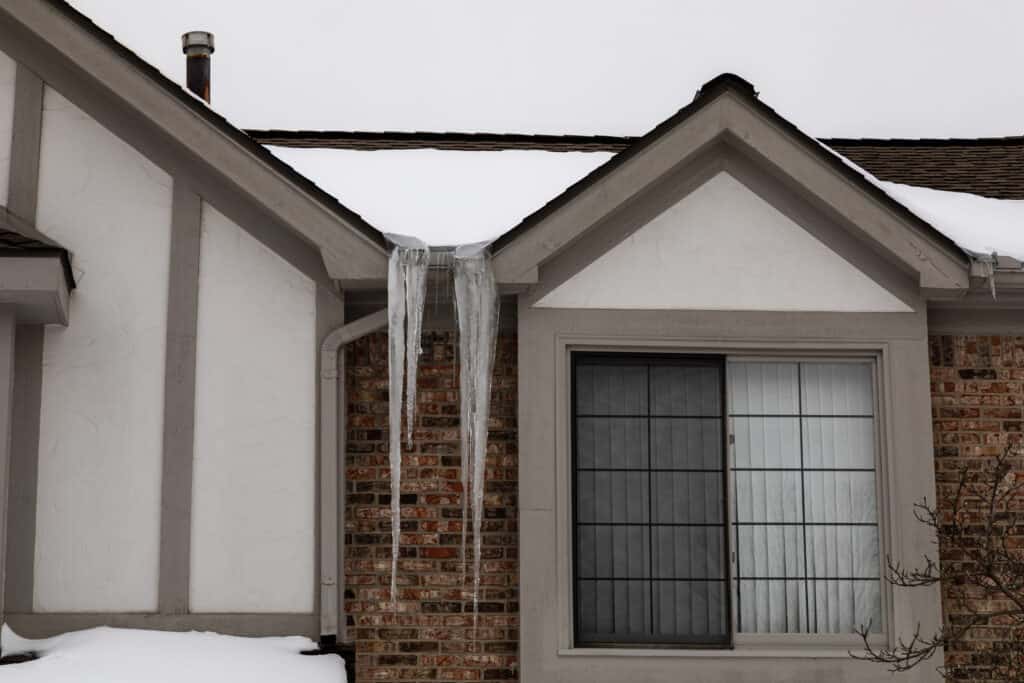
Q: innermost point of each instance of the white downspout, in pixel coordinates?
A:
(332, 449)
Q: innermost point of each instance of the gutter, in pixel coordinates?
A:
(332, 449)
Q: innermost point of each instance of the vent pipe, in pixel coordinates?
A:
(198, 46)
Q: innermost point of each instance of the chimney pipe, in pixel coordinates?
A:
(198, 46)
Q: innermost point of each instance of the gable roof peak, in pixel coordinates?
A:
(726, 81)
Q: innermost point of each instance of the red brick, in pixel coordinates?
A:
(431, 636)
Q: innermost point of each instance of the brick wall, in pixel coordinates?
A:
(977, 385)
(977, 406)
(430, 637)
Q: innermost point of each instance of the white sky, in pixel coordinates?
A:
(886, 68)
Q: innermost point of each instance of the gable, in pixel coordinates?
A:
(727, 111)
(185, 137)
(723, 247)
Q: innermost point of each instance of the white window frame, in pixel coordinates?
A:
(744, 644)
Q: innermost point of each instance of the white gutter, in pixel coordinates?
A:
(332, 449)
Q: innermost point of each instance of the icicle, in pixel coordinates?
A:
(415, 264)
(476, 296)
(407, 270)
(396, 356)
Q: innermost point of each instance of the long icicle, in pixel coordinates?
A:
(396, 358)
(476, 294)
(407, 279)
(416, 263)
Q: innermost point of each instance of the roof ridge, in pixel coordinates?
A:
(554, 142)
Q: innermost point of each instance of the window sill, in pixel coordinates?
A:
(746, 652)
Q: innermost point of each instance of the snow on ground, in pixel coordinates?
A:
(109, 655)
(443, 197)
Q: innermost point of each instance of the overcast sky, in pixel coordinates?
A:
(858, 68)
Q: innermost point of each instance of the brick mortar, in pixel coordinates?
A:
(430, 637)
(977, 395)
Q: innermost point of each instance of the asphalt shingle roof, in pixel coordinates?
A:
(990, 167)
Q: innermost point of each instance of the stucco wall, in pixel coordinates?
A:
(7, 69)
(253, 479)
(722, 247)
(101, 420)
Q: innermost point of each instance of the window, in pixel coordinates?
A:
(661, 476)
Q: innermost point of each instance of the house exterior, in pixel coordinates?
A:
(729, 362)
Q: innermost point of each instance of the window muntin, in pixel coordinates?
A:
(651, 557)
(649, 505)
(805, 511)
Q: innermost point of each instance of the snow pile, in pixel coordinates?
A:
(981, 225)
(443, 197)
(109, 655)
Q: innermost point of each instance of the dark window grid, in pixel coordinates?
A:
(656, 416)
(803, 499)
(800, 416)
(722, 579)
(718, 524)
(794, 416)
(696, 470)
(653, 416)
(807, 524)
(646, 469)
(651, 637)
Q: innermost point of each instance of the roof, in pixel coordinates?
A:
(18, 238)
(708, 92)
(989, 167)
(209, 114)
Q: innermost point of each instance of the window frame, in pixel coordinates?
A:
(740, 644)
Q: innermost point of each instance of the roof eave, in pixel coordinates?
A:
(65, 47)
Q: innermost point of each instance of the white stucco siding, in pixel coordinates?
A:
(7, 69)
(253, 478)
(98, 518)
(723, 247)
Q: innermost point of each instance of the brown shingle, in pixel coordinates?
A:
(992, 167)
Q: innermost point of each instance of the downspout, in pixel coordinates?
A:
(332, 491)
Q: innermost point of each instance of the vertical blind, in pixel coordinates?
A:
(804, 509)
(649, 500)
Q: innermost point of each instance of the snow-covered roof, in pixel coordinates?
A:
(115, 655)
(979, 225)
(447, 197)
(440, 196)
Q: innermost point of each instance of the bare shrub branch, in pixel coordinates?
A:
(981, 571)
